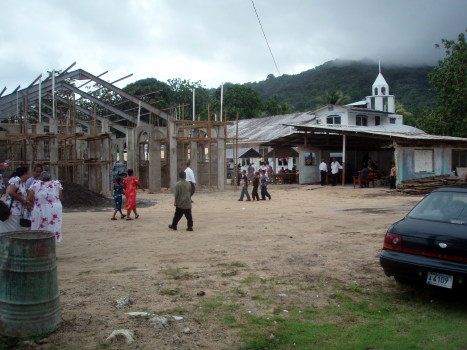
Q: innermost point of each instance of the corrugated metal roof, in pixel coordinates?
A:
(390, 130)
(258, 130)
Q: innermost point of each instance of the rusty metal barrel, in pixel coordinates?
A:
(29, 294)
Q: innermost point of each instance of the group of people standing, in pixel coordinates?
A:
(333, 169)
(256, 178)
(368, 167)
(36, 198)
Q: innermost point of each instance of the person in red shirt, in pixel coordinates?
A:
(131, 183)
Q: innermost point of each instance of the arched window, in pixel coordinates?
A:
(383, 91)
(376, 91)
(361, 120)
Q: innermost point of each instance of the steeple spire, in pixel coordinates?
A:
(379, 64)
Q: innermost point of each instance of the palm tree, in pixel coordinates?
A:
(333, 97)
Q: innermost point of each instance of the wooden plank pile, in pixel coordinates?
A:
(427, 184)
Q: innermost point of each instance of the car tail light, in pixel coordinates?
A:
(393, 241)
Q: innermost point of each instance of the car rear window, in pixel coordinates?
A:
(442, 206)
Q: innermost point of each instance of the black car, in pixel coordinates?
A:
(429, 245)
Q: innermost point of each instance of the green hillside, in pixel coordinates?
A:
(354, 78)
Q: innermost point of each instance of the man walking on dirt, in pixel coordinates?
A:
(182, 203)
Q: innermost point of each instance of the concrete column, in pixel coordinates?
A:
(172, 156)
(53, 126)
(105, 168)
(194, 160)
(131, 155)
(155, 167)
(40, 143)
(53, 150)
(93, 173)
(105, 127)
(80, 146)
(221, 164)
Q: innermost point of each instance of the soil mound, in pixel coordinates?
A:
(76, 196)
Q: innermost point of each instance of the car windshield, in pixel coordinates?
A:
(442, 206)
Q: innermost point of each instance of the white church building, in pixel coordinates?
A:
(377, 111)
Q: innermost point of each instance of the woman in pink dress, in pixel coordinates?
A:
(131, 183)
(47, 212)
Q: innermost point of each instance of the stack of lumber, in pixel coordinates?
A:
(427, 184)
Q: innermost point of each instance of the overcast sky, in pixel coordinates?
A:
(216, 41)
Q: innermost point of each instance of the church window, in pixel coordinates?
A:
(376, 91)
(383, 91)
(362, 120)
(392, 120)
(377, 120)
(333, 119)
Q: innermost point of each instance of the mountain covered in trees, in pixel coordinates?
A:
(301, 91)
(292, 93)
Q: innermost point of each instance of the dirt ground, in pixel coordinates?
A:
(291, 249)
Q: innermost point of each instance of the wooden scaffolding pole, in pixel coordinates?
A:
(209, 145)
(236, 153)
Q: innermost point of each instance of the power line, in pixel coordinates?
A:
(264, 34)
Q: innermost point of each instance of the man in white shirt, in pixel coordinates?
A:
(335, 166)
(190, 177)
(323, 168)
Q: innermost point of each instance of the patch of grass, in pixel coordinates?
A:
(261, 298)
(125, 269)
(236, 264)
(212, 304)
(178, 274)
(177, 310)
(169, 292)
(102, 345)
(87, 272)
(357, 289)
(239, 292)
(229, 273)
(253, 279)
(374, 319)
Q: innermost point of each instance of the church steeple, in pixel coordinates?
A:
(380, 98)
(380, 86)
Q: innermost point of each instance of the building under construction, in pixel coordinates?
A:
(56, 123)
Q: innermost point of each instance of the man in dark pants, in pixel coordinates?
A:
(182, 202)
(323, 169)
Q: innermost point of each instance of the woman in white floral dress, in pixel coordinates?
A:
(47, 212)
(16, 192)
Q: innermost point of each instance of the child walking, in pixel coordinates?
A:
(264, 186)
(254, 193)
(244, 187)
(118, 192)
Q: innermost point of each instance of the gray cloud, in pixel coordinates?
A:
(215, 41)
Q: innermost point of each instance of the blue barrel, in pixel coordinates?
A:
(29, 294)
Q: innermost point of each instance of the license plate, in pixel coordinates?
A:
(439, 279)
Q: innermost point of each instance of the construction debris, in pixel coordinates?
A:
(428, 184)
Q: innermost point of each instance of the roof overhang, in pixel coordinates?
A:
(331, 137)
